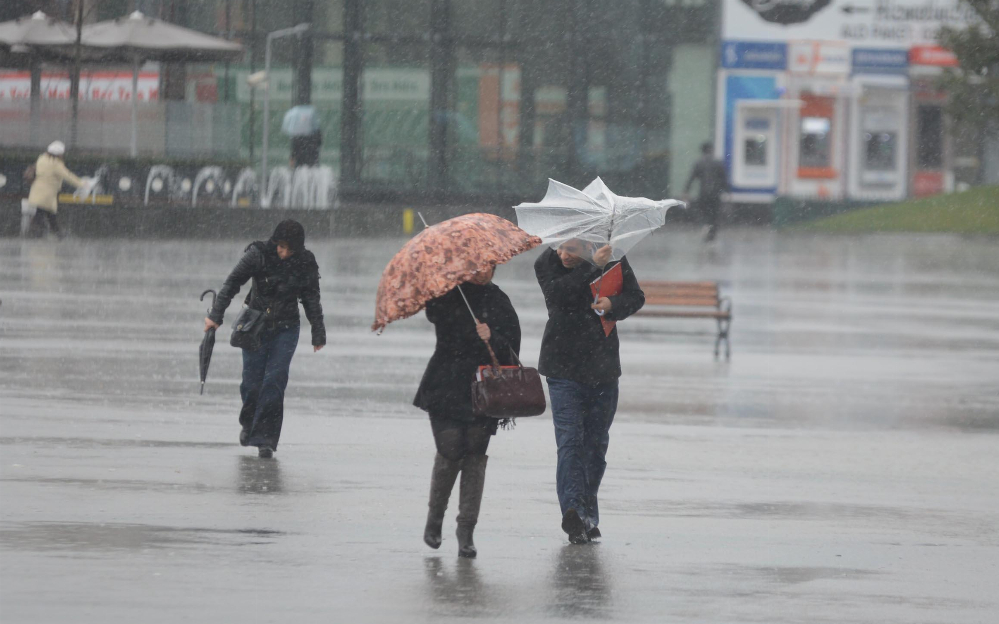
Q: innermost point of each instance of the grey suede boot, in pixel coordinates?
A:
(441, 483)
(473, 478)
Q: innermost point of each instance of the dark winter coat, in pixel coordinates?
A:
(712, 176)
(278, 286)
(574, 346)
(446, 389)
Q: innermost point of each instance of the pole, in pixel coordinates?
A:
(284, 32)
(74, 76)
(135, 107)
(264, 182)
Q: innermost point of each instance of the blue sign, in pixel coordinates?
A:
(880, 61)
(753, 55)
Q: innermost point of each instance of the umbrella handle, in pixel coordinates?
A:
(214, 296)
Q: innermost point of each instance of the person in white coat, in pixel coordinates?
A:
(50, 173)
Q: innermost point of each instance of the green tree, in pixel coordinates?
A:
(973, 87)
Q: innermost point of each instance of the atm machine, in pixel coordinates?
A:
(756, 139)
(815, 147)
(879, 123)
(930, 158)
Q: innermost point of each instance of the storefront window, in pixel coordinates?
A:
(397, 18)
(395, 100)
(929, 137)
(483, 130)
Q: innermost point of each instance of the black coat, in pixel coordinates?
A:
(574, 346)
(278, 286)
(446, 389)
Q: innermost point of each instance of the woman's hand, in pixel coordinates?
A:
(316, 348)
(603, 304)
(210, 324)
(602, 256)
(483, 330)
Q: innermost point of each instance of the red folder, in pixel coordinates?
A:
(609, 284)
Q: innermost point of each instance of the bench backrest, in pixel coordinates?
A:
(700, 294)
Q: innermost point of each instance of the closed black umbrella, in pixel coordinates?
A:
(207, 343)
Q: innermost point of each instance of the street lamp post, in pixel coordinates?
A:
(277, 34)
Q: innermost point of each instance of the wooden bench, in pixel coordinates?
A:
(689, 300)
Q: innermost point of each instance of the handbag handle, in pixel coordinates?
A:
(492, 355)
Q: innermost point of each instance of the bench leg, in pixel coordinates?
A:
(723, 326)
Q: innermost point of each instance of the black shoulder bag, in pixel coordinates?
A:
(247, 326)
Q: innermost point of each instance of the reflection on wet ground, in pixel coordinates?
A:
(840, 468)
(259, 477)
(70, 537)
(580, 588)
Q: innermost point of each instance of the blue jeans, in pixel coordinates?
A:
(583, 415)
(265, 376)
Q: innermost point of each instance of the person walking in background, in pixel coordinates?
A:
(284, 272)
(43, 198)
(582, 365)
(712, 181)
(445, 393)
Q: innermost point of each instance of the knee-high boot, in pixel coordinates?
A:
(441, 483)
(473, 478)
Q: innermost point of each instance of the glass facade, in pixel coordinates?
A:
(480, 98)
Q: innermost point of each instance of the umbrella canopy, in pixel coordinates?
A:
(300, 121)
(207, 345)
(138, 36)
(443, 256)
(37, 29)
(594, 214)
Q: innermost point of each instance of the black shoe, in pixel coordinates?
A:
(466, 548)
(244, 437)
(573, 526)
(265, 452)
(593, 533)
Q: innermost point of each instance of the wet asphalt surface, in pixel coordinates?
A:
(843, 467)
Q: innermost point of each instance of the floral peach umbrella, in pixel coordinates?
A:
(442, 257)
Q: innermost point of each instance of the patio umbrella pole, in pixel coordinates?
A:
(135, 110)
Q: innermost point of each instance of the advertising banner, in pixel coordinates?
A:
(860, 23)
(94, 86)
(754, 55)
(880, 61)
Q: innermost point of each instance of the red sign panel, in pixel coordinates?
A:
(932, 55)
(925, 183)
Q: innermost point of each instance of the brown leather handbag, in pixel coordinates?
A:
(508, 391)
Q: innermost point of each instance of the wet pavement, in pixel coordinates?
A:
(841, 468)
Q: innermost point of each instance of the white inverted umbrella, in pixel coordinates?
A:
(594, 214)
(138, 38)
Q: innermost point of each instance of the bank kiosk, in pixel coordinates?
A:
(879, 129)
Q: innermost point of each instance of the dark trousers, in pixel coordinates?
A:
(455, 439)
(710, 207)
(583, 415)
(265, 377)
(39, 221)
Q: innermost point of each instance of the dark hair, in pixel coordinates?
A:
(291, 232)
(706, 147)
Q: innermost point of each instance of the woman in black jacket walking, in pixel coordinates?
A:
(445, 393)
(284, 272)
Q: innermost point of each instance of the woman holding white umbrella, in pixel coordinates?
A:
(586, 296)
